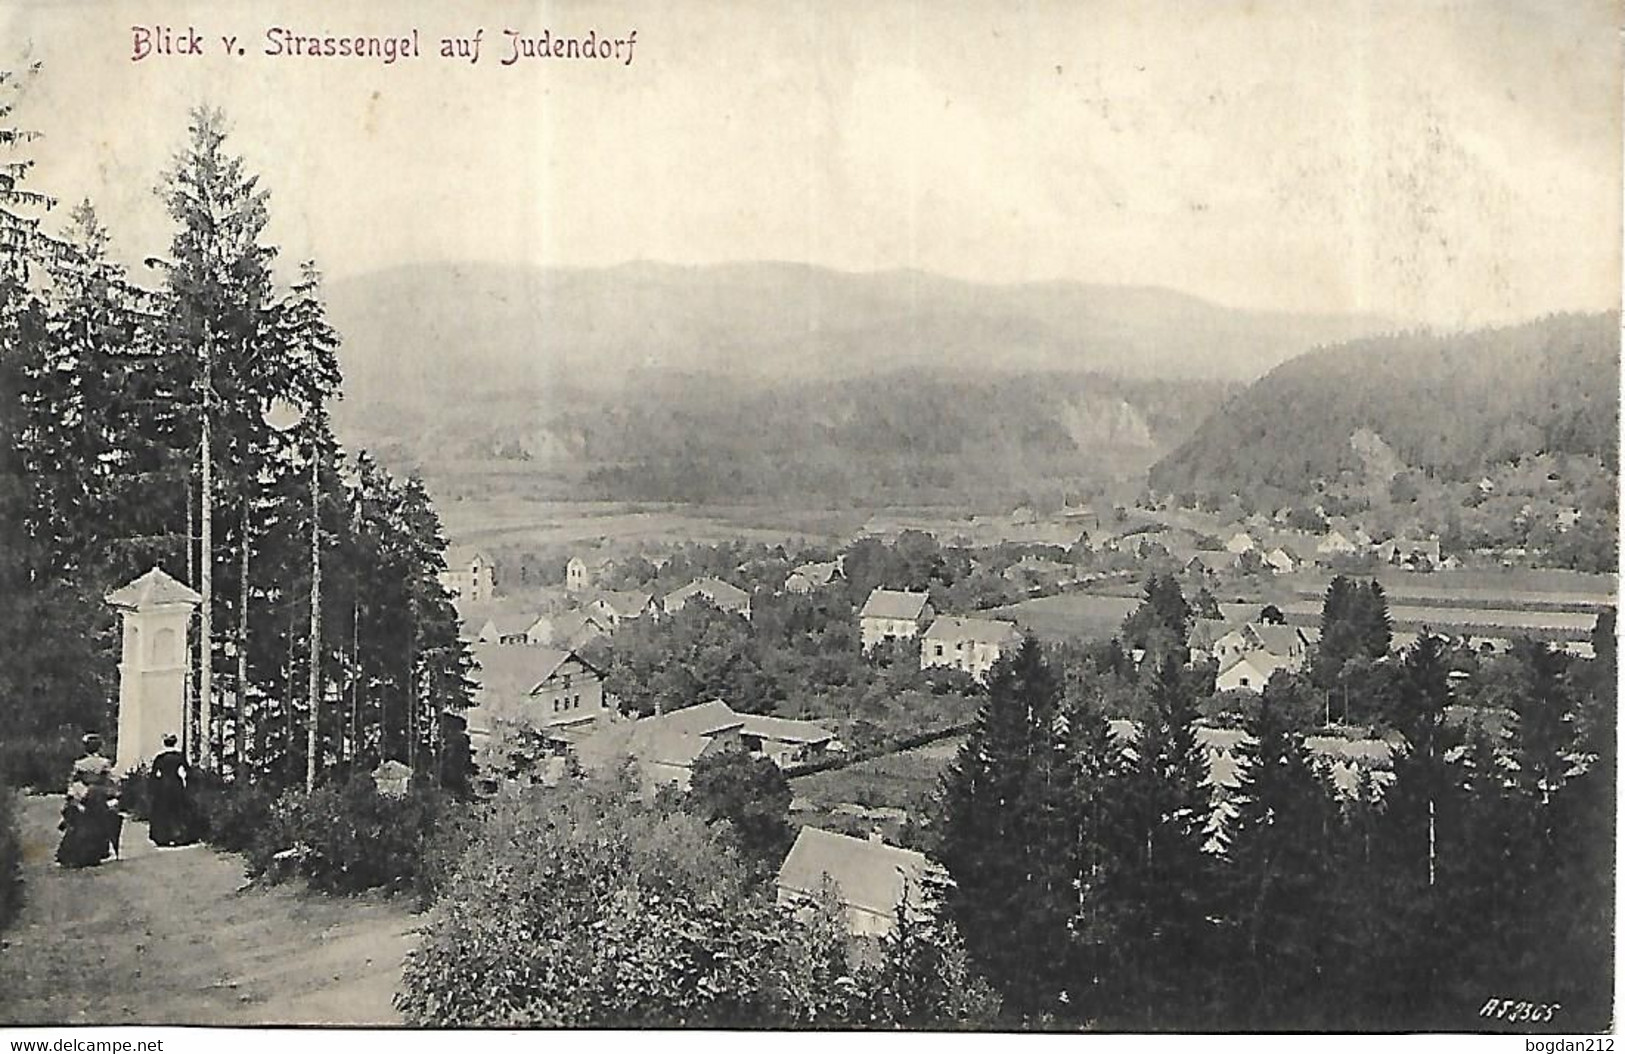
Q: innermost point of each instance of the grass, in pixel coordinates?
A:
(901, 781)
(508, 520)
(1077, 616)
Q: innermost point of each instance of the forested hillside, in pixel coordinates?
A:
(1358, 421)
(706, 437)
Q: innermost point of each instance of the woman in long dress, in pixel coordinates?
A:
(171, 809)
(90, 825)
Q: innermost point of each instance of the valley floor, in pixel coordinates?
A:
(171, 937)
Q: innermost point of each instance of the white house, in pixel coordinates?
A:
(1250, 673)
(1282, 560)
(1336, 543)
(611, 607)
(583, 573)
(547, 690)
(893, 614)
(470, 575)
(1240, 542)
(972, 645)
(1289, 645)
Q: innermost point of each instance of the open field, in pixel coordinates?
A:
(901, 781)
(1504, 589)
(1469, 621)
(505, 520)
(1076, 616)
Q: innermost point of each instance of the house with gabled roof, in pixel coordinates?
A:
(720, 594)
(613, 607)
(1250, 672)
(582, 573)
(666, 746)
(1290, 645)
(551, 691)
(808, 578)
(501, 622)
(470, 575)
(1335, 543)
(1240, 542)
(1206, 633)
(571, 631)
(1282, 560)
(892, 615)
(971, 645)
(872, 880)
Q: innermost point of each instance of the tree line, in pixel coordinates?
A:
(1104, 877)
(131, 404)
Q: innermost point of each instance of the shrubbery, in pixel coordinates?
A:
(135, 793)
(580, 906)
(347, 838)
(40, 761)
(234, 815)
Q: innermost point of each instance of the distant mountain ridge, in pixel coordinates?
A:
(1451, 408)
(503, 328)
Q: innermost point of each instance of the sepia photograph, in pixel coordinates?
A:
(800, 516)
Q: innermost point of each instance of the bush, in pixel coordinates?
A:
(578, 905)
(443, 851)
(348, 838)
(135, 793)
(41, 761)
(234, 815)
(11, 859)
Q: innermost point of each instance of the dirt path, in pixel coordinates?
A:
(169, 936)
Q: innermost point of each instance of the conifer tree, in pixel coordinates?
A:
(1002, 841)
(1276, 881)
(1159, 892)
(55, 668)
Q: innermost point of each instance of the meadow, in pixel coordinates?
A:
(1070, 616)
(906, 780)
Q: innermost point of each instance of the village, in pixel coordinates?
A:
(1113, 534)
(543, 652)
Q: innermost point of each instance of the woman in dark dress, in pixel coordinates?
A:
(90, 823)
(171, 805)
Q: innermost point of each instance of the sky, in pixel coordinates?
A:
(1441, 163)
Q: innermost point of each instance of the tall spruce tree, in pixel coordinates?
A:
(55, 668)
(1277, 872)
(1004, 837)
(1417, 823)
(1160, 892)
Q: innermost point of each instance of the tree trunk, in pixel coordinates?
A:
(315, 615)
(240, 717)
(204, 716)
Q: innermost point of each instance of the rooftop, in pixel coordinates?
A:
(978, 630)
(871, 876)
(154, 587)
(894, 603)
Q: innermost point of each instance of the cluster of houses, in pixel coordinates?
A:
(1250, 551)
(970, 645)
